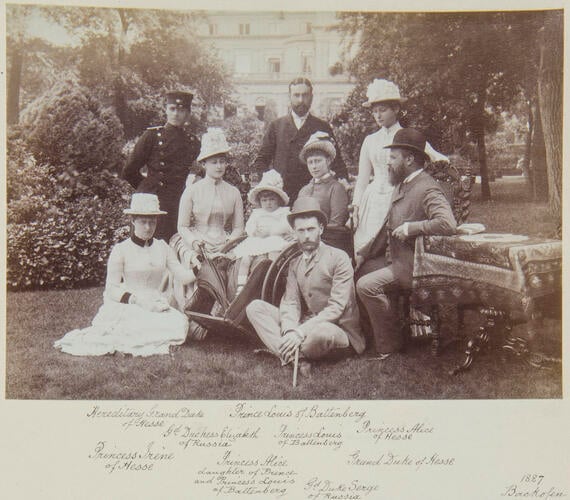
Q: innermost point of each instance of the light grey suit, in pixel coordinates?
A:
(319, 301)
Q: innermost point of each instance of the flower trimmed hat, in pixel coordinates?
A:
(382, 90)
(319, 141)
(270, 181)
(213, 143)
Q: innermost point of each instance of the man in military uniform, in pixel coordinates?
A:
(168, 152)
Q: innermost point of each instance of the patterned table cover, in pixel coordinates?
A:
(506, 271)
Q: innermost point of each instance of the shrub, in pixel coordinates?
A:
(66, 248)
(244, 135)
(62, 222)
(350, 126)
(68, 126)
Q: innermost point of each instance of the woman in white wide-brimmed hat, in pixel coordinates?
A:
(211, 210)
(371, 200)
(135, 317)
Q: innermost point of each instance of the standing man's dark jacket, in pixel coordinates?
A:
(168, 153)
(280, 150)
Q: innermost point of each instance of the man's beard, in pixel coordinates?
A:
(309, 246)
(301, 109)
(395, 176)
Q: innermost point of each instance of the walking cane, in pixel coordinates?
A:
(295, 367)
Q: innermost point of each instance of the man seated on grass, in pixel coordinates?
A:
(318, 313)
(418, 206)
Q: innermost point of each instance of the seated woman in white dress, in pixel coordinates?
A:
(371, 200)
(210, 213)
(211, 210)
(135, 317)
(267, 228)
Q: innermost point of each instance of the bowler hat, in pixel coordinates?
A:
(409, 138)
(180, 98)
(319, 141)
(144, 204)
(306, 206)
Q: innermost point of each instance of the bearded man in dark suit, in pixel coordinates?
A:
(286, 136)
(418, 207)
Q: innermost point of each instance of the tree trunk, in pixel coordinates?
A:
(483, 168)
(539, 173)
(13, 88)
(478, 128)
(550, 102)
(528, 145)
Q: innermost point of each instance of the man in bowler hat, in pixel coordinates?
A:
(318, 313)
(418, 207)
(168, 152)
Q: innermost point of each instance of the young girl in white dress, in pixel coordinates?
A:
(135, 317)
(371, 200)
(267, 227)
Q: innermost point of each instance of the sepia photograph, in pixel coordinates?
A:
(283, 204)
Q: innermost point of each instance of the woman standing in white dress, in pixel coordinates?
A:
(371, 200)
(135, 317)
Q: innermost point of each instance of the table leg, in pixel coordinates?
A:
(520, 346)
(481, 339)
(435, 331)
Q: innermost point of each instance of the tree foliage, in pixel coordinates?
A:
(457, 69)
(127, 57)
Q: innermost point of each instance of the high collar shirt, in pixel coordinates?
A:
(197, 204)
(299, 120)
(141, 269)
(413, 175)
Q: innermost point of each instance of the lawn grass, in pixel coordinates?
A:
(509, 210)
(221, 368)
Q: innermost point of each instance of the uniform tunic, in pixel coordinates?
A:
(168, 153)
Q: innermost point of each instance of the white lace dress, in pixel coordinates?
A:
(128, 328)
(273, 224)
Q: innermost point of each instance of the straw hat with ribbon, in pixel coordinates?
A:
(144, 204)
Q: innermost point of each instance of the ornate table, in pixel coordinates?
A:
(509, 278)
